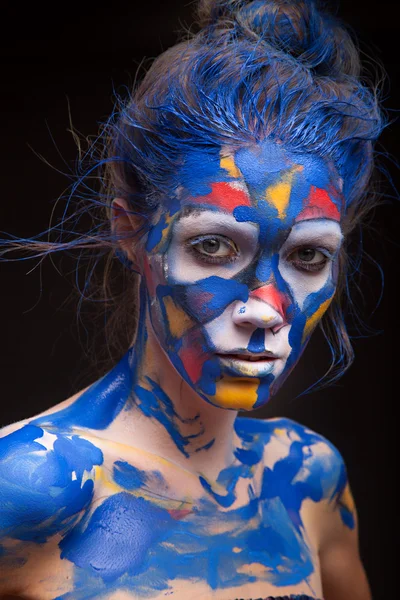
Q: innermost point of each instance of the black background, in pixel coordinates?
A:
(73, 55)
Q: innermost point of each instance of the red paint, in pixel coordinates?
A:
(192, 355)
(177, 513)
(272, 296)
(225, 197)
(319, 205)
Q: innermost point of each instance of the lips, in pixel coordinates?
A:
(248, 357)
(244, 364)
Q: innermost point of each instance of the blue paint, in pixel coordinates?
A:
(118, 537)
(154, 236)
(131, 543)
(39, 495)
(201, 168)
(206, 299)
(264, 391)
(257, 341)
(128, 476)
(156, 404)
(264, 268)
(100, 404)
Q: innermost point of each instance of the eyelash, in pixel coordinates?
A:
(209, 259)
(311, 267)
(299, 265)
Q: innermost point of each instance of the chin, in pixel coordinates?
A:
(244, 393)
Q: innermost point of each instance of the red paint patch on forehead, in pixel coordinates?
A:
(319, 205)
(225, 196)
(272, 296)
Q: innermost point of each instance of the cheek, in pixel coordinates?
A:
(305, 286)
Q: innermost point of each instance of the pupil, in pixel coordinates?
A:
(306, 254)
(211, 246)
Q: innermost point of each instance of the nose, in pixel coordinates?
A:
(265, 308)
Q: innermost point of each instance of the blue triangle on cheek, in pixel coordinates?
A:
(257, 341)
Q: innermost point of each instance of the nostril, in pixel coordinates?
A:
(276, 328)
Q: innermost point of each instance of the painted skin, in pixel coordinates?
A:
(118, 523)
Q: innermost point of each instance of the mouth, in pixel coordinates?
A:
(246, 364)
(249, 357)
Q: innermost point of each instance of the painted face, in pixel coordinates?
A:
(240, 267)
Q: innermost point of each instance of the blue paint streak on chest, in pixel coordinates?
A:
(117, 537)
(39, 495)
(257, 341)
(131, 543)
(128, 476)
(100, 404)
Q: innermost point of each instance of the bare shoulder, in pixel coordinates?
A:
(311, 461)
(46, 482)
(299, 465)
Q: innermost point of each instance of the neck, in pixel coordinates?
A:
(167, 417)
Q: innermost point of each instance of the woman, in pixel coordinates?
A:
(234, 176)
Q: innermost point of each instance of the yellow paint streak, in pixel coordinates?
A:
(167, 503)
(132, 450)
(279, 431)
(236, 394)
(313, 320)
(236, 549)
(168, 220)
(347, 500)
(179, 322)
(228, 163)
(279, 194)
(102, 478)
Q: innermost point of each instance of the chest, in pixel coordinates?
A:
(147, 543)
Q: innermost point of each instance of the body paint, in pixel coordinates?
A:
(274, 190)
(213, 541)
(44, 489)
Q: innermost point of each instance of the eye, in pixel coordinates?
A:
(309, 259)
(213, 248)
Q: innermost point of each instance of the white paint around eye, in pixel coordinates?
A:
(322, 233)
(183, 266)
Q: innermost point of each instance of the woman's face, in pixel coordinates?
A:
(240, 266)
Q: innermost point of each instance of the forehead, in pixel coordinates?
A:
(263, 179)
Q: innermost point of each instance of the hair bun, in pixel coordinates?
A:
(295, 27)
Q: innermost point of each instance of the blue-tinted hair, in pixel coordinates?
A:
(282, 69)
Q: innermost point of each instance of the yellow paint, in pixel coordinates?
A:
(236, 393)
(104, 480)
(179, 322)
(313, 320)
(266, 319)
(168, 220)
(279, 431)
(279, 194)
(236, 549)
(228, 163)
(347, 500)
(132, 450)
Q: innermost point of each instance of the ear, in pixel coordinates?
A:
(125, 225)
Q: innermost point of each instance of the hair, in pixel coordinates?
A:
(251, 70)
